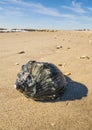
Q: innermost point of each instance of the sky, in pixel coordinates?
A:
(46, 14)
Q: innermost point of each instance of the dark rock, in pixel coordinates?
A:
(40, 81)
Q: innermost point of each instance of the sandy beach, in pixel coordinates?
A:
(71, 52)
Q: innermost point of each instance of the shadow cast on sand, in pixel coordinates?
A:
(74, 91)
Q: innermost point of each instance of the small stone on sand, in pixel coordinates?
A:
(68, 73)
(84, 57)
(16, 63)
(21, 52)
(67, 103)
(59, 64)
(68, 48)
(58, 47)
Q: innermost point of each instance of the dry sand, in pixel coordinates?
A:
(74, 110)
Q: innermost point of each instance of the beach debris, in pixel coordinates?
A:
(68, 48)
(16, 63)
(62, 65)
(40, 81)
(21, 52)
(84, 57)
(59, 64)
(68, 73)
(59, 47)
(67, 103)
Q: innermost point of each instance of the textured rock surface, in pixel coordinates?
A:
(40, 81)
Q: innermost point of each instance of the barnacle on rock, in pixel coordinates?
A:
(40, 81)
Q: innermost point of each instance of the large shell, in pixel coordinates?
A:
(40, 81)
